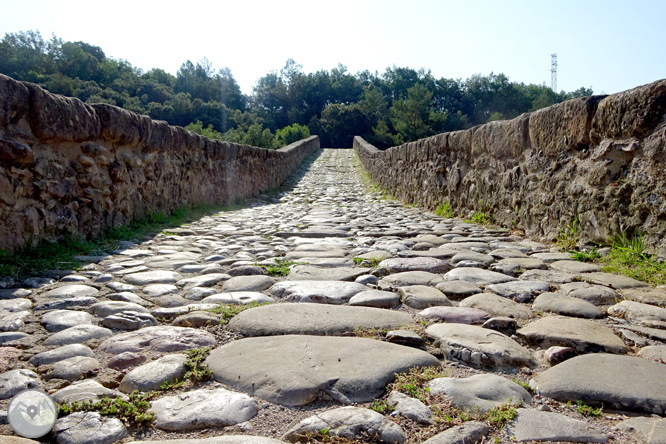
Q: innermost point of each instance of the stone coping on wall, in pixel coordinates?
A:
(598, 161)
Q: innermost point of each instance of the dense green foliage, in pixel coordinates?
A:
(397, 106)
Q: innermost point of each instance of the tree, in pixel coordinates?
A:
(412, 117)
(292, 133)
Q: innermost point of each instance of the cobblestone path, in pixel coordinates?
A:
(346, 289)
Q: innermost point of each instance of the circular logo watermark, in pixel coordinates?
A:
(32, 413)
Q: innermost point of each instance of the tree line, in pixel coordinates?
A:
(397, 106)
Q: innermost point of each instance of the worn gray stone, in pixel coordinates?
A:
(621, 382)
(347, 369)
(647, 430)
(535, 425)
(574, 267)
(60, 353)
(86, 390)
(423, 296)
(107, 308)
(497, 305)
(519, 291)
(652, 296)
(73, 369)
(656, 352)
(313, 273)
(88, 428)
(158, 338)
(14, 381)
(479, 346)
(314, 319)
(201, 409)
(637, 311)
(594, 294)
(58, 320)
(408, 278)
(153, 277)
(375, 298)
(68, 291)
(351, 423)
(324, 292)
(584, 336)
(565, 305)
(485, 391)
(615, 281)
(477, 276)
(238, 298)
(129, 320)
(248, 283)
(428, 264)
(152, 375)
(457, 290)
(469, 433)
(455, 315)
(410, 408)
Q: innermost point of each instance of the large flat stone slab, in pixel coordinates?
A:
(408, 278)
(482, 392)
(159, 338)
(478, 276)
(313, 273)
(323, 292)
(204, 408)
(534, 425)
(584, 336)
(622, 382)
(497, 305)
(519, 291)
(648, 430)
(637, 311)
(153, 277)
(314, 319)
(653, 296)
(479, 346)
(566, 305)
(615, 281)
(403, 264)
(297, 369)
(351, 423)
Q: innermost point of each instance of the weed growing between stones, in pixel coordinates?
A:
(372, 262)
(325, 436)
(584, 409)
(569, 235)
(481, 218)
(502, 414)
(371, 333)
(197, 370)
(627, 256)
(280, 268)
(413, 382)
(60, 255)
(228, 311)
(383, 407)
(444, 209)
(133, 411)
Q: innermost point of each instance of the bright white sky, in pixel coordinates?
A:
(609, 45)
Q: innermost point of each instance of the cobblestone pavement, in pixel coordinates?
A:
(346, 289)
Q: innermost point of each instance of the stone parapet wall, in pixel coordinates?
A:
(68, 168)
(600, 160)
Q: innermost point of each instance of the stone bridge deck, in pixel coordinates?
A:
(373, 288)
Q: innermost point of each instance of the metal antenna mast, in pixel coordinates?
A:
(553, 72)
